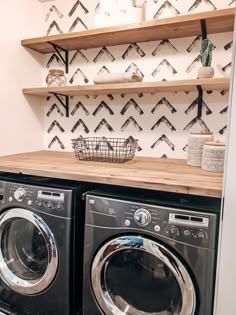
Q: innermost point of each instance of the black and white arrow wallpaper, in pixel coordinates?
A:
(161, 122)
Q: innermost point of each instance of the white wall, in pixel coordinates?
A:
(160, 132)
(227, 269)
(21, 118)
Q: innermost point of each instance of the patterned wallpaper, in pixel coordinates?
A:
(161, 122)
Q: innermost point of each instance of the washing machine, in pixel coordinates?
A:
(148, 258)
(37, 248)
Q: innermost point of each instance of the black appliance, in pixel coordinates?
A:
(149, 258)
(38, 252)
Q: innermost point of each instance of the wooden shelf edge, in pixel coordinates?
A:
(173, 27)
(133, 88)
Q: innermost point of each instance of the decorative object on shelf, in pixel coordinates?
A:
(140, 3)
(119, 77)
(56, 78)
(206, 71)
(107, 6)
(150, 9)
(134, 15)
(102, 149)
(213, 156)
(124, 5)
(196, 141)
(117, 12)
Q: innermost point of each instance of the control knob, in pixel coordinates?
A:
(19, 194)
(201, 234)
(173, 231)
(142, 217)
(187, 233)
(49, 204)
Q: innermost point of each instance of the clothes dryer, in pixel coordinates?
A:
(142, 258)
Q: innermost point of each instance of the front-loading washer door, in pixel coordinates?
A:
(28, 252)
(134, 275)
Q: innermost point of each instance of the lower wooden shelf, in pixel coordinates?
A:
(133, 88)
(170, 175)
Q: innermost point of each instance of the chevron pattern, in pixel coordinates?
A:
(161, 122)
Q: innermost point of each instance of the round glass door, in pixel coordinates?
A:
(133, 275)
(28, 252)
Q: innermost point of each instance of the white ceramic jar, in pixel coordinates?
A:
(196, 141)
(213, 157)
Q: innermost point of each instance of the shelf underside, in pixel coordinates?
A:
(133, 88)
(218, 21)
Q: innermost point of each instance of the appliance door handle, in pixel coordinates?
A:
(23, 286)
(103, 257)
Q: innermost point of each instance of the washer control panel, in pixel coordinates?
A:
(185, 226)
(49, 200)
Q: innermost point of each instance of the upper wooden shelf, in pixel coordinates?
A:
(133, 88)
(218, 21)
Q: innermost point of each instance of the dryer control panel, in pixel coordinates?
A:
(185, 226)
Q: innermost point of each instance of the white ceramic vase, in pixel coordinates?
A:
(206, 72)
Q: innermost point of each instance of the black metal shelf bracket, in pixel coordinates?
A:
(65, 59)
(204, 29)
(200, 100)
(65, 104)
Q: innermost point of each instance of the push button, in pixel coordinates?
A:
(187, 233)
(40, 203)
(127, 222)
(49, 204)
(59, 206)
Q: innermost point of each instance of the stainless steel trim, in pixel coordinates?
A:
(203, 224)
(22, 286)
(60, 198)
(103, 257)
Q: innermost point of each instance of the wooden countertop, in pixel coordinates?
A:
(170, 175)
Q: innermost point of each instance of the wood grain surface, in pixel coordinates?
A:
(132, 88)
(170, 175)
(175, 27)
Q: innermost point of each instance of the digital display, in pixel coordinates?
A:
(182, 217)
(188, 220)
(51, 196)
(196, 219)
(46, 193)
(56, 194)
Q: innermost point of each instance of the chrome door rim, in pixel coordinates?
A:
(19, 285)
(154, 248)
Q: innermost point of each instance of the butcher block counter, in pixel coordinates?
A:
(170, 175)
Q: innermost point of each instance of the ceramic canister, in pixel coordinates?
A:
(196, 140)
(213, 156)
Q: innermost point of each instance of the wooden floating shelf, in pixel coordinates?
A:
(133, 88)
(218, 21)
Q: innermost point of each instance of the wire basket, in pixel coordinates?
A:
(102, 149)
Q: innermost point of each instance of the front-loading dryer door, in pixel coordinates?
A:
(28, 252)
(134, 275)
